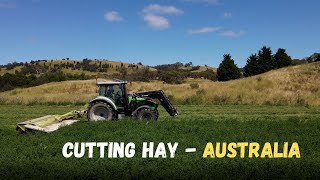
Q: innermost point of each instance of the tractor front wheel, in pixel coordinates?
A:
(147, 114)
(100, 111)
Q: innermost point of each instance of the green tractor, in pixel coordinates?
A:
(113, 102)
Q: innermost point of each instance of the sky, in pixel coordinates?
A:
(156, 32)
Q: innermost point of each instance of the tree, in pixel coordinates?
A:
(314, 57)
(282, 59)
(317, 57)
(265, 60)
(227, 69)
(188, 64)
(252, 66)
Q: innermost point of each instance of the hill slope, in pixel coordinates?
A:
(49, 64)
(70, 66)
(296, 85)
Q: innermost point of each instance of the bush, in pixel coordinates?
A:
(194, 85)
(201, 92)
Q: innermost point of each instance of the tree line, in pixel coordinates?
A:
(11, 81)
(256, 64)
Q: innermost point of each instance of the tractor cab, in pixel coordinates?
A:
(115, 91)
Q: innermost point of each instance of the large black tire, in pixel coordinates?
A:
(147, 114)
(100, 111)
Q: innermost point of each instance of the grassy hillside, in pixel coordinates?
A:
(52, 63)
(296, 85)
(111, 70)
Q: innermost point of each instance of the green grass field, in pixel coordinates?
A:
(38, 155)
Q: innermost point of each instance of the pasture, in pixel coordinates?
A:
(39, 155)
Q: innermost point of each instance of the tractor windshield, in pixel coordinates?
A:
(114, 92)
(102, 90)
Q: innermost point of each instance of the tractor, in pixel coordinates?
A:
(114, 102)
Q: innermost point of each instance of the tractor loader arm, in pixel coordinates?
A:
(164, 100)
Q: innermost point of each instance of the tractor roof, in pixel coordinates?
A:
(110, 83)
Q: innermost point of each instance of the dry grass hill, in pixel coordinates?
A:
(295, 85)
(111, 70)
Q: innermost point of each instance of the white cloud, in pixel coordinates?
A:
(158, 9)
(211, 2)
(112, 16)
(7, 4)
(227, 15)
(156, 22)
(204, 30)
(232, 34)
(154, 15)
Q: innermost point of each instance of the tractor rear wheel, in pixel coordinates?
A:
(100, 111)
(147, 114)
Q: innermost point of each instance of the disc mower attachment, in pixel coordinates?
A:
(50, 123)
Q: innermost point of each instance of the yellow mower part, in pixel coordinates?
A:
(50, 123)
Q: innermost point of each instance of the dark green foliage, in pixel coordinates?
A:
(252, 66)
(33, 69)
(194, 85)
(257, 64)
(315, 57)
(169, 67)
(11, 81)
(172, 77)
(227, 69)
(10, 66)
(175, 73)
(194, 68)
(282, 59)
(265, 60)
(144, 75)
(207, 74)
(189, 64)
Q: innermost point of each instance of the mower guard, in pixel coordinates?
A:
(50, 123)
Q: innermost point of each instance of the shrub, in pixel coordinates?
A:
(194, 85)
(259, 79)
(201, 92)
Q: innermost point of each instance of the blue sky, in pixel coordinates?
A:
(156, 32)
